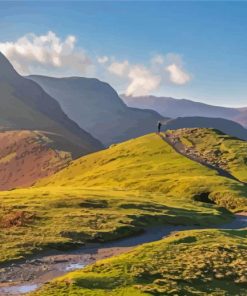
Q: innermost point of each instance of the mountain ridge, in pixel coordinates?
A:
(25, 105)
(172, 107)
(96, 106)
(226, 126)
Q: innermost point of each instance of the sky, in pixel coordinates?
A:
(194, 50)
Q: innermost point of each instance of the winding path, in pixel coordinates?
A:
(179, 148)
(26, 276)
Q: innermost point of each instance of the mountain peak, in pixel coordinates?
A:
(6, 68)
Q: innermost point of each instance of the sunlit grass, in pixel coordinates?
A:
(208, 262)
(216, 148)
(112, 194)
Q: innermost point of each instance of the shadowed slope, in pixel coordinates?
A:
(25, 105)
(96, 106)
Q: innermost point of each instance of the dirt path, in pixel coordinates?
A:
(26, 276)
(179, 148)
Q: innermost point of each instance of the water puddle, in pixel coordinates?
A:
(21, 289)
(74, 266)
(52, 266)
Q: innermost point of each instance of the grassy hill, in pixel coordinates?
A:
(215, 148)
(26, 156)
(149, 164)
(113, 193)
(208, 262)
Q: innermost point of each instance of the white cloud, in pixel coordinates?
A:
(103, 59)
(51, 55)
(145, 79)
(46, 53)
(142, 81)
(177, 75)
(119, 68)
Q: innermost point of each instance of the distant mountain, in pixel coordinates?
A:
(27, 156)
(96, 106)
(170, 107)
(226, 126)
(25, 105)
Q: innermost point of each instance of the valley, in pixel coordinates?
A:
(95, 106)
(26, 106)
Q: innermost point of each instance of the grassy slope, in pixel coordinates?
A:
(27, 156)
(112, 193)
(216, 148)
(148, 164)
(208, 262)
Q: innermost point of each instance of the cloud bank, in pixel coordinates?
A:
(53, 56)
(47, 53)
(177, 75)
(144, 79)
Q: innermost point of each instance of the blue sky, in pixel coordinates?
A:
(203, 45)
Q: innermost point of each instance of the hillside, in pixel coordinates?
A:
(226, 126)
(147, 163)
(215, 148)
(170, 107)
(24, 105)
(208, 262)
(114, 193)
(95, 106)
(26, 156)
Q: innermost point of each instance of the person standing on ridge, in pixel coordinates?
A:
(159, 126)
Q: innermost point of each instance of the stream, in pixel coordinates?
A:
(26, 276)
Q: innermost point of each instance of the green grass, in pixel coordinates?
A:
(113, 193)
(216, 148)
(34, 220)
(148, 164)
(208, 262)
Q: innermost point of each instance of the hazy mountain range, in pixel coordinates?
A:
(170, 107)
(96, 107)
(81, 113)
(25, 105)
(228, 127)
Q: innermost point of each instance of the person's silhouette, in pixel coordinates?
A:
(159, 126)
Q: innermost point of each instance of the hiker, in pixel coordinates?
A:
(159, 126)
